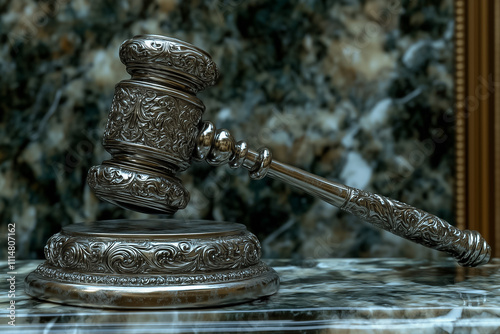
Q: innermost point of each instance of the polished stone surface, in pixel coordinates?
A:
(359, 92)
(333, 295)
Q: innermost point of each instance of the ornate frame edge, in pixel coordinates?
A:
(477, 55)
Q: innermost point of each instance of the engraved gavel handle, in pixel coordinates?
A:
(468, 247)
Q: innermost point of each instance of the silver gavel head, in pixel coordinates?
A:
(153, 124)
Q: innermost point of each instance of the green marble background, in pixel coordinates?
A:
(356, 91)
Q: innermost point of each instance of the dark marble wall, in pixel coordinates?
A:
(355, 91)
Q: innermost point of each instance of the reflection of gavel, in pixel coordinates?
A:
(154, 129)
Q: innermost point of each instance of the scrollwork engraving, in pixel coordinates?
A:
(147, 117)
(127, 257)
(172, 53)
(417, 225)
(116, 181)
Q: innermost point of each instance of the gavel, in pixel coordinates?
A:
(155, 130)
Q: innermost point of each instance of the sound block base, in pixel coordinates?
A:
(152, 264)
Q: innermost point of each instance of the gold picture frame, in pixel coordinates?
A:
(477, 102)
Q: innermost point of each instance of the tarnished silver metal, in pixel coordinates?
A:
(468, 247)
(154, 129)
(149, 264)
(153, 124)
(151, 133)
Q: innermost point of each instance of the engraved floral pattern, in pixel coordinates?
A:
(105, 255)
(147, 117)
(117, 182)
(418, 226)
(172, 53)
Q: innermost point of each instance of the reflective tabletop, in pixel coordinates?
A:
(346, 295)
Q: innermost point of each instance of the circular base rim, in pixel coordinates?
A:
(169, 296)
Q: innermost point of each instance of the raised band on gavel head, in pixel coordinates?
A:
(154, 130)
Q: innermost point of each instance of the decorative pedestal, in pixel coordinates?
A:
(149, 264)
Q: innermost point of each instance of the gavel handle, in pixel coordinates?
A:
(469, 248)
